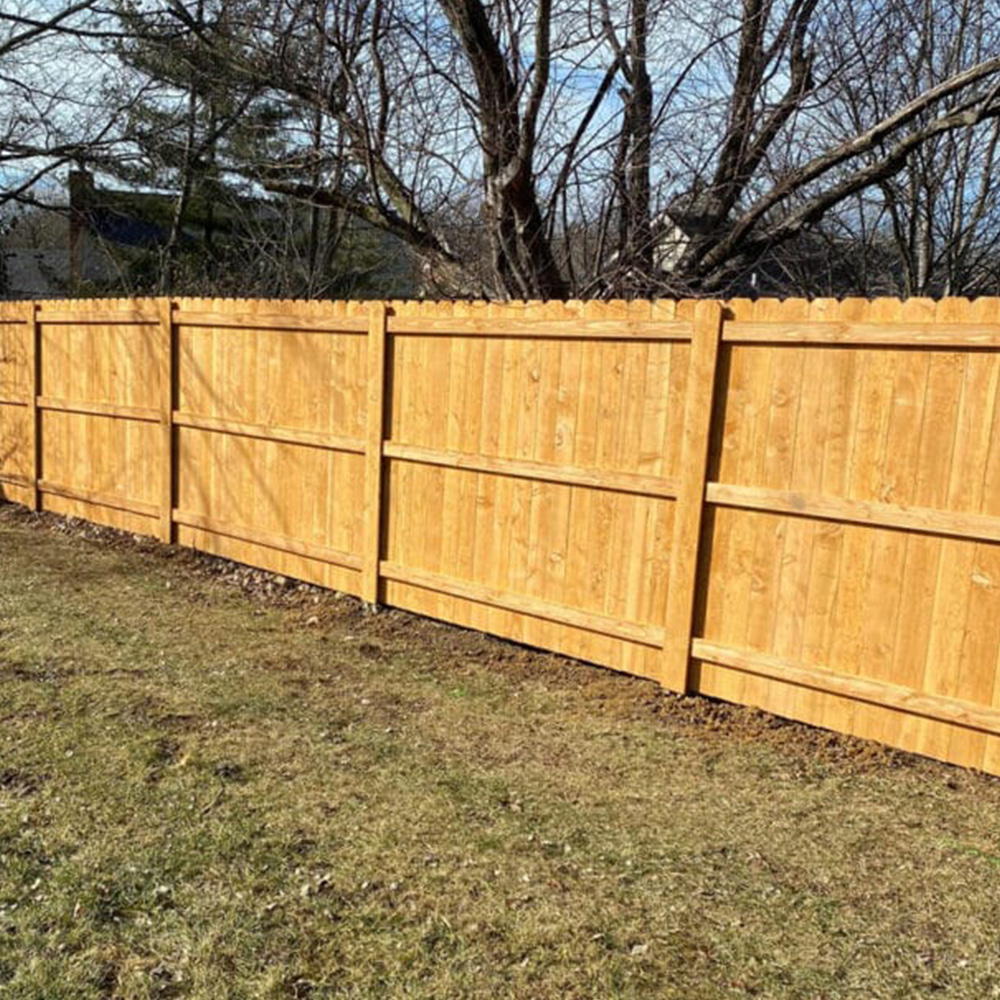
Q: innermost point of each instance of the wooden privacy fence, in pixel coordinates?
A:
(793, 505)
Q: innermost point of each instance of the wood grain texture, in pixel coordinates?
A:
(869, 334)
(33, 444)
(875, 544)
(598, 479)
(685, 547)
(375, 431)
(793, 505)
(262, 432)
(968, 715)
(15, 466)
(920, 520)
(144, 414)
(254, 319)
(167, 385)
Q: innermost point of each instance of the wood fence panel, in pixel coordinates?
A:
(98, 384)
(522, 473)
(553, 418)
(891, 425)
(15, 456)
(262, 410)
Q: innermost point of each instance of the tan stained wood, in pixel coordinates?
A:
(648, 635)
(928, 450)
(833, 592)
(253, 319)
(973, 670)
(268, 539)
(969, 715)
(375, 409)
(867, 334)
(143, 414)
(726, 598)
(100, 498)
(14, 403)
(15, 480)
(284, 435)
(69, 317)
(34, 447)
(585, 327)
(797, 463)
(549, 471)
(684, 563)
(617, 482)
(167, 378)
(925, 520)
(769, 406)
(892, 387)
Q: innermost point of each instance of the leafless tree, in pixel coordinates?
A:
(598, 147)
(54, 108)
(938, 218)
(444, 101)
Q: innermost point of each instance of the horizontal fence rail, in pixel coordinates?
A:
(787, 504)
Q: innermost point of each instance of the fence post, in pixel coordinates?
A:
(374, 434)
(699, 403)
(167, 378)
(34, 389)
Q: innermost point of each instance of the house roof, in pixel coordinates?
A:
(114, 227)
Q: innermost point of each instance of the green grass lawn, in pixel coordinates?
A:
(212, 792)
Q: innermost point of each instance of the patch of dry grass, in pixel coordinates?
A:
(203, 795)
